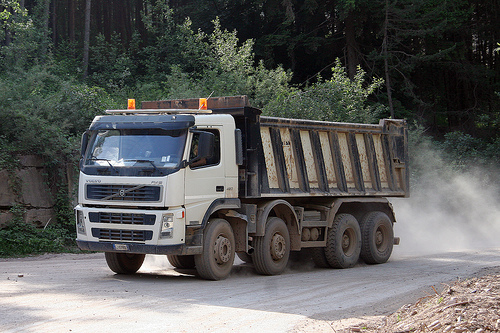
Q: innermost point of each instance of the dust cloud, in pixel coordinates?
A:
(448, 210)
(156, 263)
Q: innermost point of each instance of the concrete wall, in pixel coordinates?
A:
(27, 186)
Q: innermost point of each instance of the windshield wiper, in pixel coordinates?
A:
(93, 158)
(145, 161)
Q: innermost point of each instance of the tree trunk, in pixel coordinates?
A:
(45, 41)
(351, 45)
(71, 20)
(139, 24)
(86, 40)
(54, 23)
(386, 60)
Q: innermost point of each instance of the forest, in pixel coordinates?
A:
(434, 63)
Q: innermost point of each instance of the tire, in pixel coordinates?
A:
(124, 263)
(378, 238)
(319, 258)
(245, 257)
(273, 249)
(177, 261)
(217, 259)
(343, 245)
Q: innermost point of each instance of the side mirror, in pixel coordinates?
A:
(83, 147)
(206, 145)
(84, 144)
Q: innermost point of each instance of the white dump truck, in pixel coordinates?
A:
(204, 180)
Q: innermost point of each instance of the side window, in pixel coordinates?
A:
(214, 159)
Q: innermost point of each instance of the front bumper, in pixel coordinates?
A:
(179, 249)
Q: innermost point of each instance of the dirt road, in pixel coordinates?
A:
(78, 293)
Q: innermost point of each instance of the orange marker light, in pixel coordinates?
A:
(131, 104)
(203, 104)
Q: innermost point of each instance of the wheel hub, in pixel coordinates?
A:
(379, 238)
(278, 247)
(346, 241)
(222, 250)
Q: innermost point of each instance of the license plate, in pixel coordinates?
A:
(120, 247)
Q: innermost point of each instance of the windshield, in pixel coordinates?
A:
(153, 148)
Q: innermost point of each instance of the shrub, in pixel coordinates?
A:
(19, 238)
(336, 99)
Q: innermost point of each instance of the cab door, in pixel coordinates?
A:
(205, 181)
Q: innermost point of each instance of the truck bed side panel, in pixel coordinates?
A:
(307, 158)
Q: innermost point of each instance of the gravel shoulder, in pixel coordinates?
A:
(471, 305)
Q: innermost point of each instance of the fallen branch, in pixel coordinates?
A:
(455, 304)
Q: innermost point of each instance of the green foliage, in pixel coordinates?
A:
(217, 64)
(336, 99)
(19, 238)
(10, 9)
(465, 151)
(43, 114)
(230, 56)
(112, 67)
(26, 43)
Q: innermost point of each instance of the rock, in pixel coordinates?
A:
(33, 161)
(34, 189)
(40, 217)
(5, 217)
(7, 196)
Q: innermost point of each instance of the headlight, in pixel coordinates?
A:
(167, 225)
(80, 222)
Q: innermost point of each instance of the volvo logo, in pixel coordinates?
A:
(122, 193)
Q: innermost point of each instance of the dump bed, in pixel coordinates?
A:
(301, 158)
(305, 158)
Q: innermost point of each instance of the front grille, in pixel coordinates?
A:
(122, 235)
(123, 192)
(122, 218)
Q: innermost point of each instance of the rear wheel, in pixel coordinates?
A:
(181, 261)
(343, 244)
(273, 249)
(378, 238)
(217, 259)
(124, 263)
(319, 258)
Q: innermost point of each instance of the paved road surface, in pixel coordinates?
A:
(78, 293)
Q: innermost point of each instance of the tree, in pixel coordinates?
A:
(336, 99)
(9, 9)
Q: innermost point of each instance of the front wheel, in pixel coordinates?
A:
(217, 259)
(124, 263)
(343, 244)
(273, 249)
